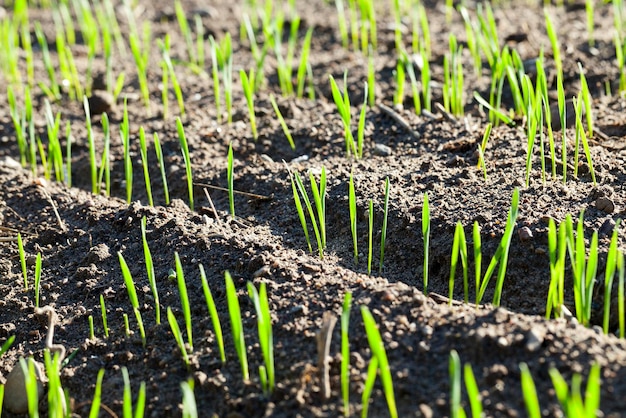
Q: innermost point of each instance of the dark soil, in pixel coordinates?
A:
(265, 243)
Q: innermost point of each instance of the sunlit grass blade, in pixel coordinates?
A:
(345, 353)
(178, 335)
(229, 179)
(282, 122)
(97, 396)
(353, 225)
(426, 238)
(215, 320)
(184, 298)
(234, 311)
(378, 351)
(150, 270)
(529, 392)
(185, 151)
(266, 340)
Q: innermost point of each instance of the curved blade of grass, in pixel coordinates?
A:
(378, 352)
(217, 327)
(236, 325)
(345, 353)
(184, 298)
(178, 335)
(529, 392)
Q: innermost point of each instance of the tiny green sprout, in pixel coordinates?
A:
(97, 396)
(150, 270)
(264, 325)
(282, 122)
(127, 404)
(473, 394)
(345, 353)
(178, 335)
(379, 358)
(22, 254)
(143, 150)
(383, 234)
(92, 148)
(126, 325)
(353, 224)
(184, 299)
(529, 391)
(459, 247)
(210, 303)
(37, 278)
(342, 101)
(190, 409)
(454, 370)
(159, 155)
(92, 335)
(185, 151)
(103, 313)
(236, 325)
(247, 83)
(6, 345)
(132, 295)
(370, 236)
(128, 164)
(230, 180)
(426, 238)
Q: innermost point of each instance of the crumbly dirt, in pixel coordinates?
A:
(79, 234)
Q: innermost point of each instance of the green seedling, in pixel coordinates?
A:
(556, 50)
(371, 80)
(282, 122)
(383, 234)
(247, 84)
(143, 150)
(103, 313)
(379, 358)
(132, 295)
(563, 117)
(126, 324)
(319, 198)
(583, 268)
(56, 396)
(473, 394)
(343, 25)
(370, 236)
(128, 164)
(459, 247)
(557, 246)
(190, 409)
(178, 335)
(400, 78)
(571, 399)
(342, 101)
(353, 226)
(141, 53)
(501, 256)
(581, 136)
(105, 163)
(425, 239)
(360, 135)
(186, 32)
(304, 62)
(37, 278)
(92, 149)
(127, 403)
(68, 154)
(587, 100)
(454, 370)
(529, 392)
(620, 294)
(417, 102)
(97, 396)
(210, 304)
(150, 270)
(53, 91)
(264, 325)
(185, 151)
(236, 325)
(92, 334)
(30, 384)
(609, 274)
(453, 78)
(22, 254)
(184, 299)
(6, 345)
(481, 149)
(160, 159)
(230, 180)
(345, 353)
(164, 46)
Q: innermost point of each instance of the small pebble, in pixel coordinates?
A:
(525, 234)
(605, 204)
(15, 398)
(382, 150)
(534, 339)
